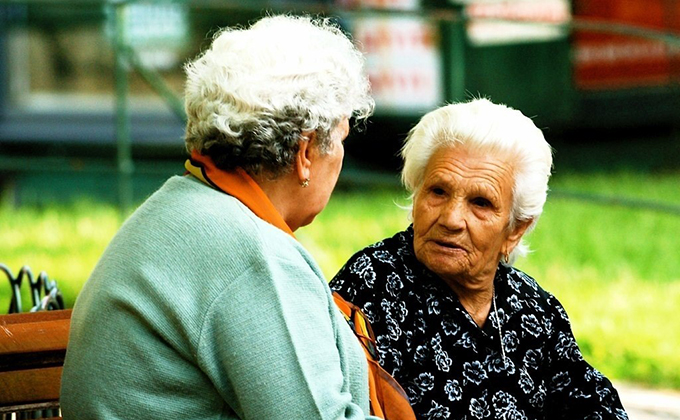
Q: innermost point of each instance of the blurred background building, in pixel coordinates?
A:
(90, 91)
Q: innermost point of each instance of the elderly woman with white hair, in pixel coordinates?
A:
(204, 306)
(466, 334)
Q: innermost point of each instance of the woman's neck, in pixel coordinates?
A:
(477, 302)
(282, 191)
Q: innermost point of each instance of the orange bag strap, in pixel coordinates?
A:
(388, 399)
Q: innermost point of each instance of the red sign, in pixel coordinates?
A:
(610, 61)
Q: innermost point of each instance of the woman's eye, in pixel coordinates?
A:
(437, 191)
(481, 202)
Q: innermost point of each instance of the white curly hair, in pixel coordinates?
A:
(250, 97)
(493, 128)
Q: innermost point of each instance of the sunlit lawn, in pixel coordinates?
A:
(615, 269)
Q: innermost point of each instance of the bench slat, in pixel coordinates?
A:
(34, 336)
(27, 317)
(32, 350)
(30, 386)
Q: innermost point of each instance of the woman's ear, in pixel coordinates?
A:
(303, 157)
(516, 234)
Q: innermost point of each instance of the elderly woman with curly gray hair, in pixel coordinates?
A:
(468, 335)
(204, 305)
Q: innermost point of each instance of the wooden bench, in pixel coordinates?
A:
(32, 350)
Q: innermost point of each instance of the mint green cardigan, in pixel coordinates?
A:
(198, 309)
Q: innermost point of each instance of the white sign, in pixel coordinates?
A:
(381, 4)
(151, 24)
(403, 62)
(156, 31)
(493, 22)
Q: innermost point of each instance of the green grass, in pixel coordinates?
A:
(64, 241)
(615, 269)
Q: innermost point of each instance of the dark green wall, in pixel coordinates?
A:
(532, 77)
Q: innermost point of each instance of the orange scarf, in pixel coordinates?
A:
(238, 184)
(388, 400)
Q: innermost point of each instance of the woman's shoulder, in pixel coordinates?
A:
(212, 213)
(208, 227)
(526, 288)
(383, 268)
(521, 282)
(388, 250)
(385, 253)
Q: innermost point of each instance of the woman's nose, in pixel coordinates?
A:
(452, 215)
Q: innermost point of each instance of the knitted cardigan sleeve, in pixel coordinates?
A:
(269, 344)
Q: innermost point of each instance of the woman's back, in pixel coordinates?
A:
(189, 312)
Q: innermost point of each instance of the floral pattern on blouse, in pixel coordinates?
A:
(451, 368)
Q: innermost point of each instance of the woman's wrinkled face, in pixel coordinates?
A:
(461, 215)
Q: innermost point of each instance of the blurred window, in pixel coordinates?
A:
(61, 57)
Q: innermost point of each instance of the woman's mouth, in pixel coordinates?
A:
(449, 245)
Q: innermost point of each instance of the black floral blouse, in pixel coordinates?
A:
(451, 368)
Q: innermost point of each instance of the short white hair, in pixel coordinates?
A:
(252, 94)
(482, 125)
